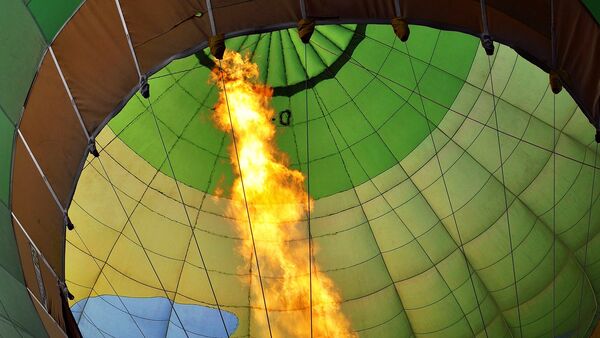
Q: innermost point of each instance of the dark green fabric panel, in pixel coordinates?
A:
(16, 309)
(6, 145)
(51, 15)
(594, 7)
(9, 256)
(22, 46)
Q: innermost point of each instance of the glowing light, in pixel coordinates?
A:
(277, 205)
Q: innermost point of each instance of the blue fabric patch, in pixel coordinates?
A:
(149, 317)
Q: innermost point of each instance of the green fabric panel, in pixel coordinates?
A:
(9, 255)
(7, 131)
(22, 48)
(357, 111)
(9, 258)
(594, 7)
(17, 313)
(51, 16)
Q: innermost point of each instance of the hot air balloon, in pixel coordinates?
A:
(435, 168)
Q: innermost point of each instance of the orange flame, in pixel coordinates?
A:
(276, 205)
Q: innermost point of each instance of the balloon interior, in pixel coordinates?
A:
(284, 168)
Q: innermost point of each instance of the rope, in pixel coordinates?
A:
(310, 247)
(510, 241)
(554, 217)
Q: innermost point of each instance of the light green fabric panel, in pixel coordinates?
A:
(22, 48)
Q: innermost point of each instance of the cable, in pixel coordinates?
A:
(310, 247)
(510, 242)
(553, 217)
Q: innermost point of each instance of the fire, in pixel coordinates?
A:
(276, 205)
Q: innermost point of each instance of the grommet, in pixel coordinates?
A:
(555, 82)
(63, 288)
(285, 117)
(68, 223)
(144, 87)
(401, 29)
(306, 28)
(217, 46)
(488, 44)
(92, 148)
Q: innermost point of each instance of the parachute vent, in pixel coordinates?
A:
(401, 29)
